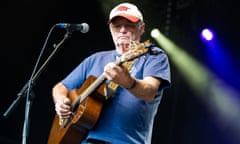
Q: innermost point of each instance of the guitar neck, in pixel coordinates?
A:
(137, 50)
(90, 89)
(93, 86)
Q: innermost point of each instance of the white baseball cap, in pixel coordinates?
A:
(126, 10)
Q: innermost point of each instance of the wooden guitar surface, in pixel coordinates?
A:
(84, 117)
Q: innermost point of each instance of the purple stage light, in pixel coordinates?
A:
(207, 34)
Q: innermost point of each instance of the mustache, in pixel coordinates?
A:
(123, 44)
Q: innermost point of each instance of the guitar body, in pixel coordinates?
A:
(85, 116)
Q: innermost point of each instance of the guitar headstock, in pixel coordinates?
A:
(136, 49)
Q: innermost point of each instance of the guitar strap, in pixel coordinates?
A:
(112, 85)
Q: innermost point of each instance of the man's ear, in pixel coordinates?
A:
(142, 27)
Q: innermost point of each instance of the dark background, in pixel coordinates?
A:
(182, 118)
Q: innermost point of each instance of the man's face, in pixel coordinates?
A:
(124, 31)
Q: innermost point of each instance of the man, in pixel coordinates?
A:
(127, 117)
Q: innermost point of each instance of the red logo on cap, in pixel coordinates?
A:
(122, 8)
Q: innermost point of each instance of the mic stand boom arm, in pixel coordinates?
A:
(26, 91)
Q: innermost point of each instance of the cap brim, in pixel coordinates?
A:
(126, 16)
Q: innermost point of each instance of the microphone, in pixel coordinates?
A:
(83, 27)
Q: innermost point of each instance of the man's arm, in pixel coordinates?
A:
(62, 102)
(146, 88)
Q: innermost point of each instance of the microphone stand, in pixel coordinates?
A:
(27, 92)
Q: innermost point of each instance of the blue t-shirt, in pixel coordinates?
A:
(124, 119)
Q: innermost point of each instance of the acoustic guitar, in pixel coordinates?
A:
(87, 103)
